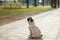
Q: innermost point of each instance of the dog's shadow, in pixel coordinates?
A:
(35, 39)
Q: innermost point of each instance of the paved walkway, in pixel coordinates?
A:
(48, 23)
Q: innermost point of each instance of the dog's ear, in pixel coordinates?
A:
(29, 19)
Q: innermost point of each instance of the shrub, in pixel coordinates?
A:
(12, 5)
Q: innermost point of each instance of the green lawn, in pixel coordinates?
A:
(12, 12)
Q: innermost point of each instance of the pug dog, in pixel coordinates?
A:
(35, 32)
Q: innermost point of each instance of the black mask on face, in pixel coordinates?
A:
(30, 19)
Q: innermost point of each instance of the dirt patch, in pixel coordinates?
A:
(6, 20)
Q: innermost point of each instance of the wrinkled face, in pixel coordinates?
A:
(31, 23)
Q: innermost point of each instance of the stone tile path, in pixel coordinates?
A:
(48, 23)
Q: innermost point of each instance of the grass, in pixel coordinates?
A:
(12, 12)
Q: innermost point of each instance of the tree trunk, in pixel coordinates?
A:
(27, 2)
(52, 3)
(35, 3)
(0, 3)
(42, 2)
(55, 3)
(58, 3)
(14, 1)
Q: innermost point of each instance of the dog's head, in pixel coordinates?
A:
(30, 20)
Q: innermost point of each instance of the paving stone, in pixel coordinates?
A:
(58, 38)
(49, 38)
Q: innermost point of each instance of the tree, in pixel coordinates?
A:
(14, 1)
(35, 3)
(42, 2)
(53, 3)
(58, 3)
(0, 3)
(27, 2)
